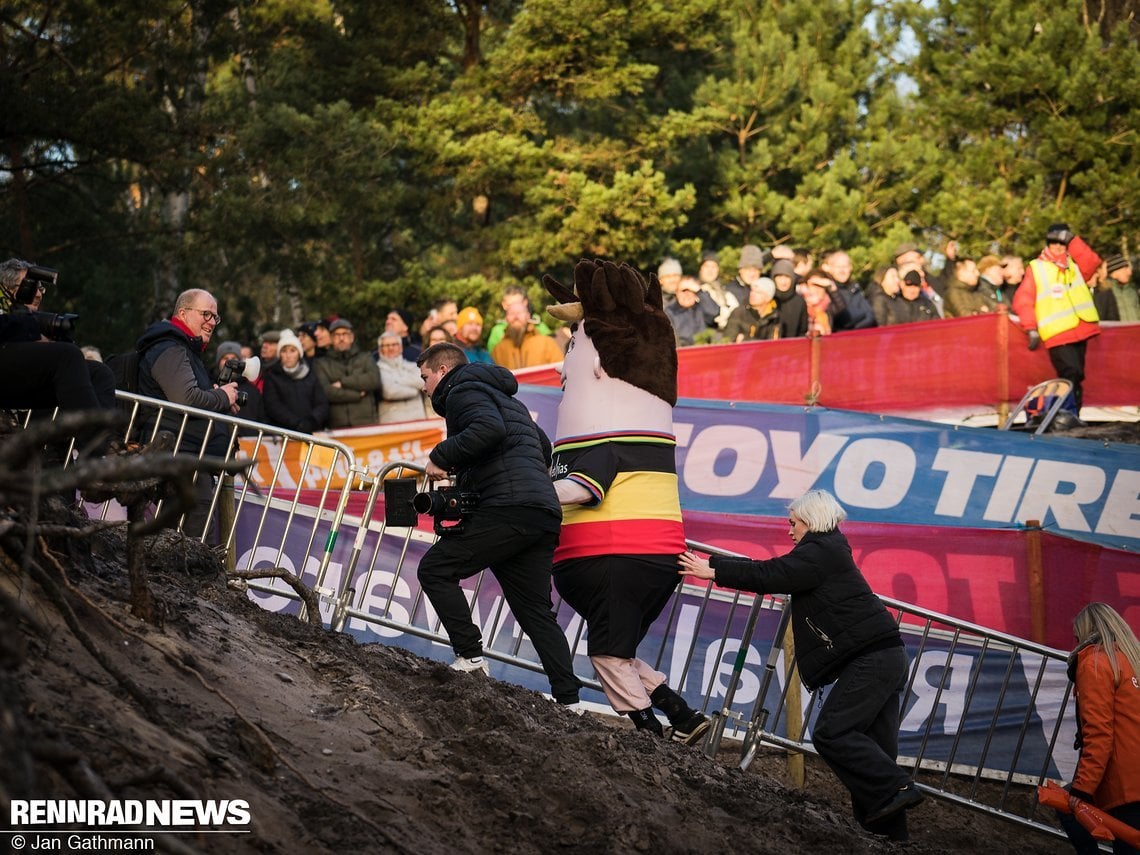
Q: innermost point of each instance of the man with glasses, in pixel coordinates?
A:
(171, 368)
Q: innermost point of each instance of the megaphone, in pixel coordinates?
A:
(252, 368)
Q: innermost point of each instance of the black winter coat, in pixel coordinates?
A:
(905, 311)
(793, 314)
(493, 446)
(298, 405)
(856, 313)
(835, 614)
(18, 327)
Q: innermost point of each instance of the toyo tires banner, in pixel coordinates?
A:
(753, 459)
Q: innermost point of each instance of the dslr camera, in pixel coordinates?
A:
(448, 506)
(234, 369)
(57, 327)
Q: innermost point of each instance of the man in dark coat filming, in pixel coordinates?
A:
(496, 451)
(42, 368)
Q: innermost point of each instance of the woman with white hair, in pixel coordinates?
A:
(843, 634)
(401, 387)
(1105, 670)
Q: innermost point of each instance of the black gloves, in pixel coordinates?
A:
(1034, 340)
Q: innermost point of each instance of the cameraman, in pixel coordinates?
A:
(494, 448)
(171, 369)
(42, 372)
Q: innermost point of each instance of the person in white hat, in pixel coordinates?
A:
(758, 319)
(292, 395)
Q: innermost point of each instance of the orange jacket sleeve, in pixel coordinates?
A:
(1096, 701)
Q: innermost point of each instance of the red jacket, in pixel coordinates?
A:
(1109, 765)
(1025, 298)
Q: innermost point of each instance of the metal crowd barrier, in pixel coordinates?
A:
(291, 472)
(294, 475)
(359, 579)
(967, 774)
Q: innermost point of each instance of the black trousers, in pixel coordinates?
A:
(857, 734)
(620, 596)
(517, 545)
(1069, 363)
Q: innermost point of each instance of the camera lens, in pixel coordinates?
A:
(424, 503)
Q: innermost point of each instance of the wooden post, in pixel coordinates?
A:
(794, 714)
(1036, 580)
(227, 520)
(815, 357)
(1003, 364)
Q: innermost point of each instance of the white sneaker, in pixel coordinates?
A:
(578, 707)
(475, 663)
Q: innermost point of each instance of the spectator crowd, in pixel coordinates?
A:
(320, 376)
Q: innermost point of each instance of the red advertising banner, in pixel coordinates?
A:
(978, 575)
(958, 362)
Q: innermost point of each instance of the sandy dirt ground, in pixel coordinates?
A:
(341, 747)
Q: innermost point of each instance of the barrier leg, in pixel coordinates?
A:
(227, 518)
(756, 727)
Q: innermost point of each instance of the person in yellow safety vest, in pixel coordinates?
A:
(1055, 306)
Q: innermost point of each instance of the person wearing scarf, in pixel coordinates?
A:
(293, 396)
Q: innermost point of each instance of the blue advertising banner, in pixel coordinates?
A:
(753, 459)
(958, 691)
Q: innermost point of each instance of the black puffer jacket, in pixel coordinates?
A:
(493, 445)
(835, 614)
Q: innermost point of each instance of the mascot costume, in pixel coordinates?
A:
(615, 473)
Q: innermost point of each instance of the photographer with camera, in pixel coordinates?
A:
(499, 461)
(232, 368)
(43, 369)
(171, 369)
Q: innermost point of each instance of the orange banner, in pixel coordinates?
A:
(292, 464)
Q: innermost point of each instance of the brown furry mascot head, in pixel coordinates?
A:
(623, 316)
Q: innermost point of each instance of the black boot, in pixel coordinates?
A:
(646, 720)
(689, 726)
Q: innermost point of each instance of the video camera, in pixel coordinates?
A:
(446, 505)
(57, 327)
(234, 369)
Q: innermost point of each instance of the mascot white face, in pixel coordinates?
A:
(595, 403)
